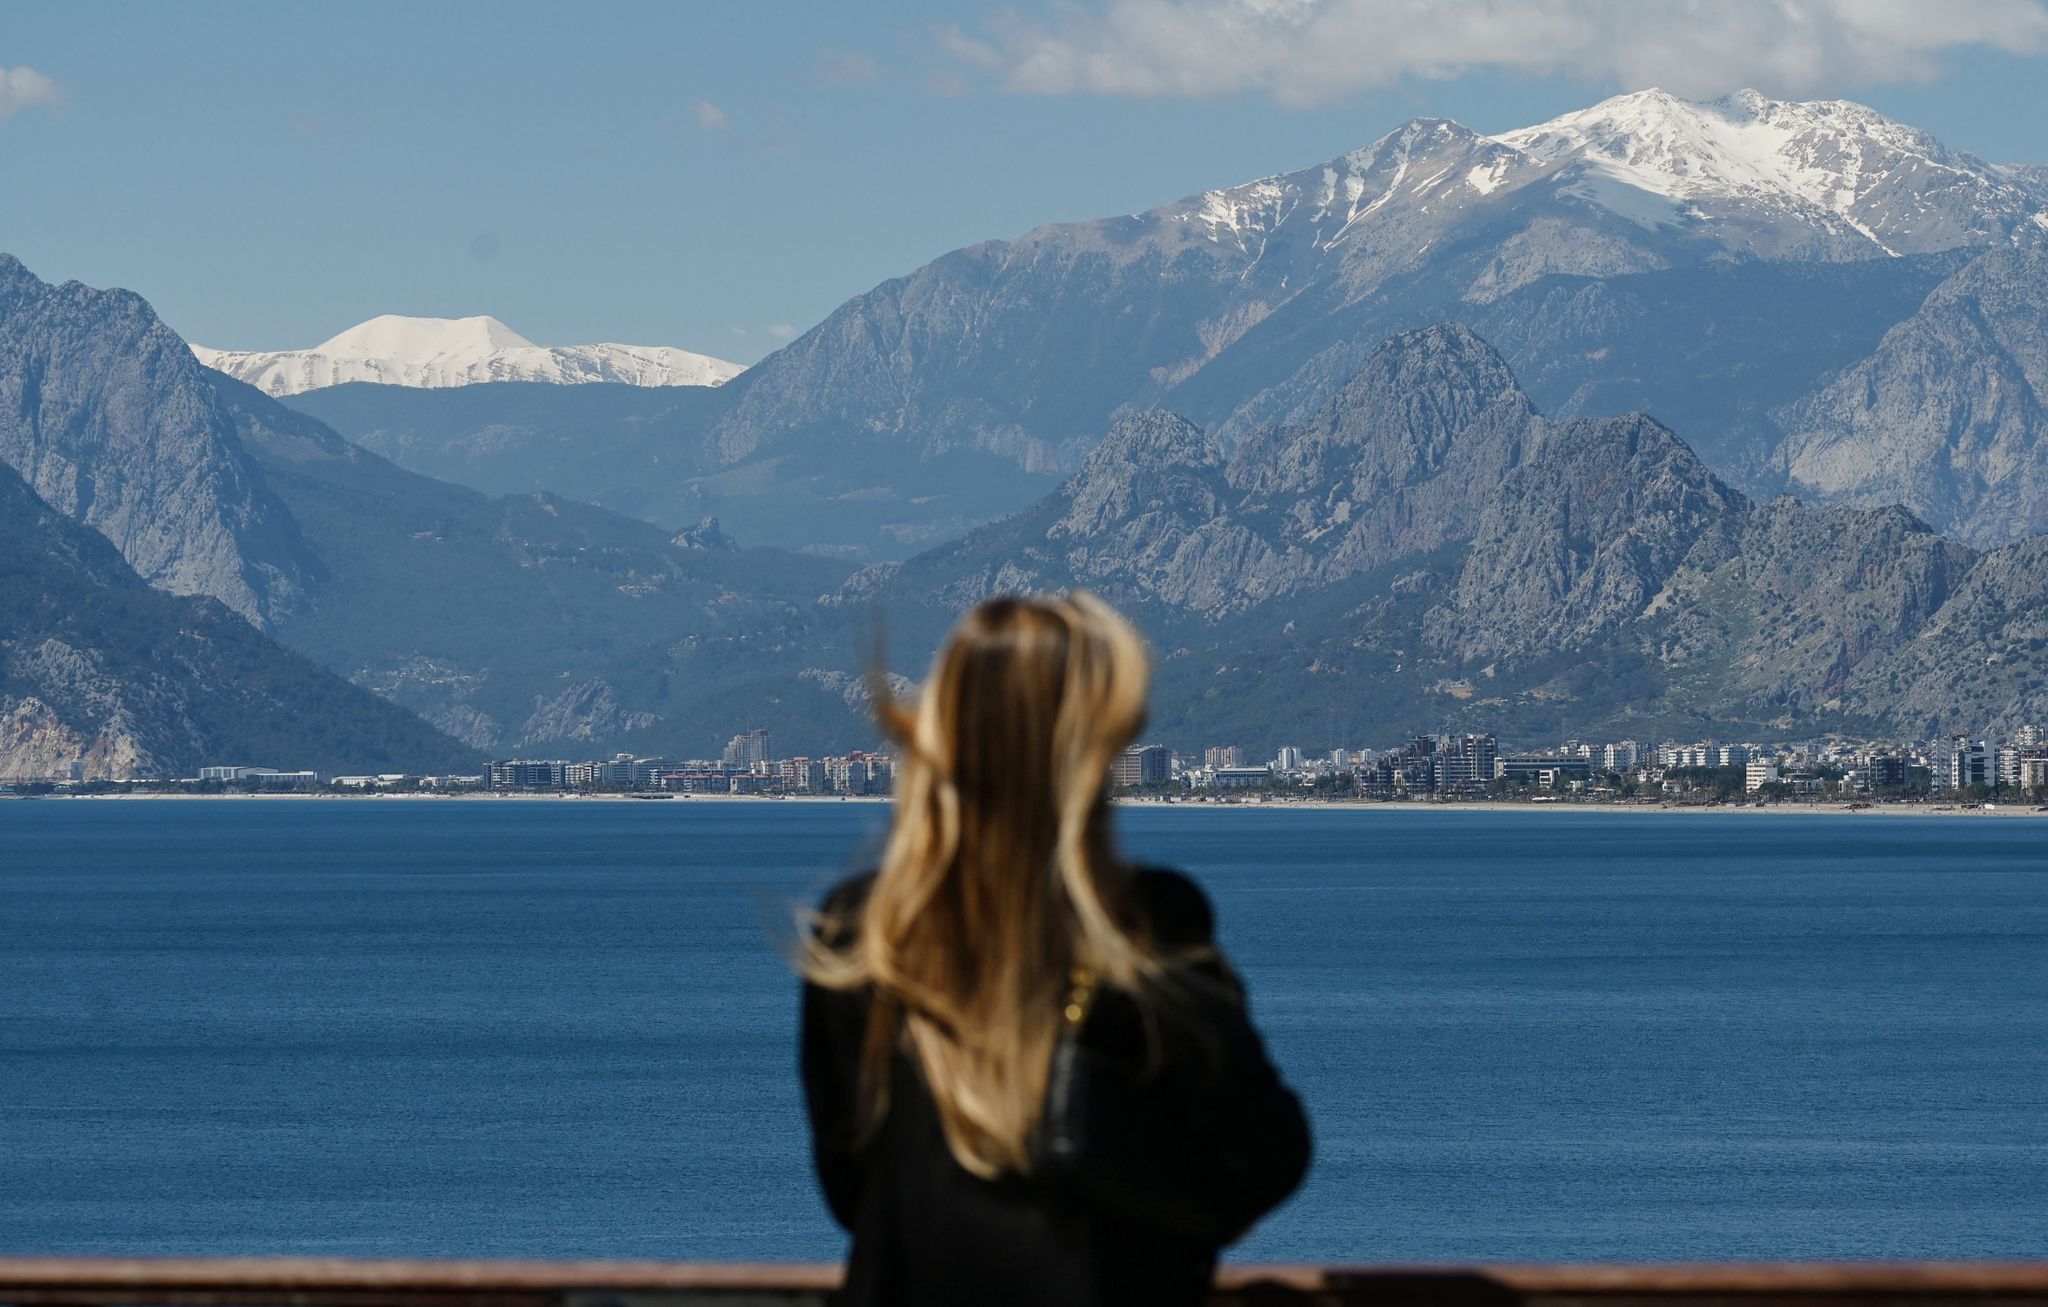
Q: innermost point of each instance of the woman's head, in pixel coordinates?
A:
(1016, 728)
(999, 875)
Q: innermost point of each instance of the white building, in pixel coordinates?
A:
(1968, 762)
(1759, 773)
(1621, 757)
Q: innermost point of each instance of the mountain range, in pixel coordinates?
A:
(1775, 279)
(521, 622)
(1428, 551)
(1657, 419)
(438, 352)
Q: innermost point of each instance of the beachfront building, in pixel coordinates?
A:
(526, 774)
(1465, 765)
(747, 751)
(1142, 764)
(1965, 763)
(269, 778)
(1240, 778)
(1544, 771)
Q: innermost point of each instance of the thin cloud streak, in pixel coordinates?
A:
(1301, 53)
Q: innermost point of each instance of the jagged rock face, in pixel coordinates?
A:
(106, 414)
(102, 672)
(37, 744)
(581, 715)
(1398, 463)
(1583, 538)
(707, 534)
(1154, 464)
(1981, 662)
(1808, 597)
(1950, 415)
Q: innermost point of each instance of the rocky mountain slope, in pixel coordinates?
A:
(530, 622)
(107, 416)
(1949, 414)
(1592, 576)
(435, 352)
(101, 671)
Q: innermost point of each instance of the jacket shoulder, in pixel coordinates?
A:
(1176, 910)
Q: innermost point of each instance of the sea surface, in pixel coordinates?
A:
(563, 1029)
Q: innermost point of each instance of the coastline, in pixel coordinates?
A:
(1887, 810)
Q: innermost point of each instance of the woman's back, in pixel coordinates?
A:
(1031, 1075)
(1201, 1139)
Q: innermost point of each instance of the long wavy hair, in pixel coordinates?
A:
(999, 877)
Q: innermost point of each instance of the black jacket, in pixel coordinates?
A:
(1205, 1142)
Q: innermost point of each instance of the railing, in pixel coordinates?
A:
(294, 1282)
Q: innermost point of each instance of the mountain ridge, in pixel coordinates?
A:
(434, 353)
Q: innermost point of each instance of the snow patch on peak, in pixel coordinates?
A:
(390, 336)
(1830, 163)
(394, 350)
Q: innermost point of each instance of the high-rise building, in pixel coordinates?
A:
(1967, 762)
(527, 774)
(748, 750)
(2034, 773)
(1288, 759)
(1464, 764)
(1142, 764)
(1218, 756)
(1622, 757)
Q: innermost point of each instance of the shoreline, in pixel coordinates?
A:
(1839, 809)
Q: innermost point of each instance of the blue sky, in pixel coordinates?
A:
(717, 175)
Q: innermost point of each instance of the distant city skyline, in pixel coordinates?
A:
(720, 177)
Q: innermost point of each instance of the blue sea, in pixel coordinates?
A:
(564, 1029)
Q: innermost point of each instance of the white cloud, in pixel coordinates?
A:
(25, 88)
(710, 117)
(780, 330)
(1306, 52)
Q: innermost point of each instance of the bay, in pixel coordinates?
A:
(553, 1029)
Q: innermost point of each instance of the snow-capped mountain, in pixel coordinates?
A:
(1773, 178)
(1825, 165)
(433, 352)
(1618, 256)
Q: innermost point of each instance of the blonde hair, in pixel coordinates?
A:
(999, 877)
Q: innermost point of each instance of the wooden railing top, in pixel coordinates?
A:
(342, 1282)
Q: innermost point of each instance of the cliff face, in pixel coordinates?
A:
(107, 416)
(101, 671)
(1398, 462)
(1585, 539)
(1980, 663)
(1949, 415)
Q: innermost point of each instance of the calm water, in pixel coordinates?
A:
(552, 1029)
